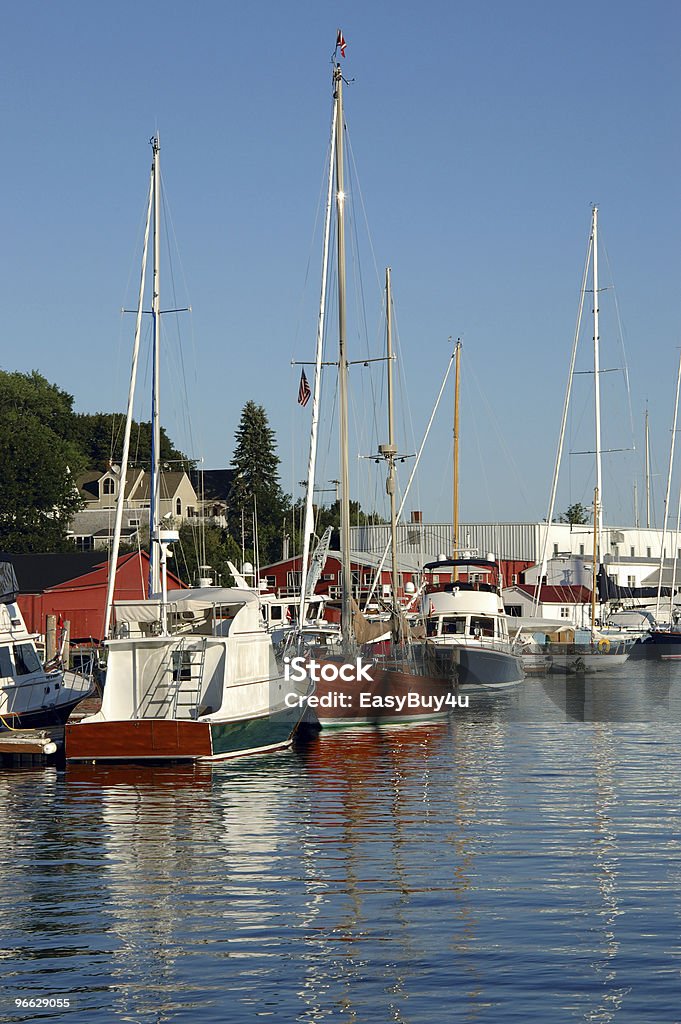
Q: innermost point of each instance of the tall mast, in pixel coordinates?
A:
(665, 516)
(346, 605)
(647, 473)
(389, 451)
(113, 561)
(316, 390)
(155, 489)
(455, 493)
(597, 377)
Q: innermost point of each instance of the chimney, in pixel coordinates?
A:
(417, 517)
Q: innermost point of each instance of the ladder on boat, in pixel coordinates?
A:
(169, 694)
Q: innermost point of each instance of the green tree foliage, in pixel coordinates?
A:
(256, 475)
(575, 514)
(38, 463)
(100, 437)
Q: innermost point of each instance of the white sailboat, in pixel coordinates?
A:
(191, 674)
(594, 652)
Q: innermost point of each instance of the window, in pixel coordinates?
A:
(515, 610)
(647, 552)
(632, 552)
(328, 577)
(555, 550)
(436, 579)
(631, 581)
(367, 579)
(514, 579)
(133, 522)
(271, 582)
(26, 660)
(293, 580)
(481, 626)
(565, 613)
(85, 543)
(454, 626)
(581, 549)
(6, 667)
(191, 512)
(276, 613)
(178, 507)
(108, 486)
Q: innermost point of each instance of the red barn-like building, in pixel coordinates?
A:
(81, 600)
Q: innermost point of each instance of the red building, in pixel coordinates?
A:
(80, 599)
(284, 577)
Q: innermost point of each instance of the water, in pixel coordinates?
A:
(514, 863)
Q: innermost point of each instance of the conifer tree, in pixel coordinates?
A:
(256, 484)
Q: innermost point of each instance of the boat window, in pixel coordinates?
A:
(276, 613)
(6, 666)
(454, 626)
(482, 625)
(431, 626)
(26, 660)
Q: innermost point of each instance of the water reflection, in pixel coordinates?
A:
(497, 868)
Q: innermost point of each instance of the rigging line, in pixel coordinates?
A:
(620, 331)
(182, 393)
(566, 409)
(360, 303)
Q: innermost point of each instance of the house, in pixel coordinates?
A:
(74, 587)
(572, 604)
(93, 526)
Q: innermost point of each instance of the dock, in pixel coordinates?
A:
(41, 746)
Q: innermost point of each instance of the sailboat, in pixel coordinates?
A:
(354, 683)
(467, 635)
(32, 694)
(664, 641)
(595, 652)
(191, 674)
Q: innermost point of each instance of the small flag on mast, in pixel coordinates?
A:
(340, 43)
(304, 391)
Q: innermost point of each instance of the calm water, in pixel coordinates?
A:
(515, 863)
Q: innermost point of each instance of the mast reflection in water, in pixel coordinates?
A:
(488, 868)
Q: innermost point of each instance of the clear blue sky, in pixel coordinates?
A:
(481, 134)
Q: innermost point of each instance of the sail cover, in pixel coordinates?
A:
(9, 586)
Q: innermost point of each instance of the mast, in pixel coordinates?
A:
(155, 488)
(647, 446)
(594, 567)
(455, 478)
(346, 598)
(667, 493)
(316, 390)
(113, 561)
(597, 370)
(389, 450)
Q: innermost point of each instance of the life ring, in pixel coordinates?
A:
(604, 645)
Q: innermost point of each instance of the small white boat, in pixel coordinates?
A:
(467, 636)
(32, 695)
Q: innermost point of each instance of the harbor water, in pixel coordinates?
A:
(519, 861)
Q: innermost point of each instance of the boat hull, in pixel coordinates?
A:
(395, 693)
(149, 739)
(470, 666)
(28, 706)
(659, 645)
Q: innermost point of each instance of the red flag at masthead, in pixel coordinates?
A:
(340, 43)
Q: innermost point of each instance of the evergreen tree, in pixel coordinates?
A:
(256, 484)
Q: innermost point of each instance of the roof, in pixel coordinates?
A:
(88, 485)
(212, 484)
(555, 595)
(38, 572)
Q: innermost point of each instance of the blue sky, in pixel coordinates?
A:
(481, 136)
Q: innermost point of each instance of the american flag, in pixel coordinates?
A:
(340, 43)
(304, 390)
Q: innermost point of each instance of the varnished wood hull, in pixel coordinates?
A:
(396, 693)
(149, 739)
